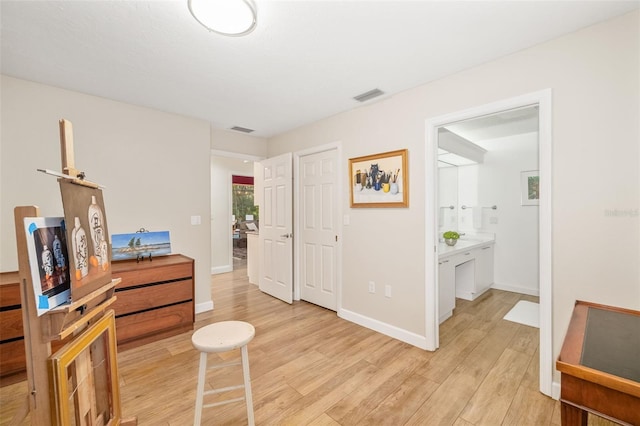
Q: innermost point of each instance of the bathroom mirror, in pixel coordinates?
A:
(507, 141)
(454, 152)
(447, 196)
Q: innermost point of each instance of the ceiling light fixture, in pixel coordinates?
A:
(228, 17)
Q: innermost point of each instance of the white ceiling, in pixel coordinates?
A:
(305, 61)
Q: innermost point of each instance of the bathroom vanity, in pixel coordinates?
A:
(464, 271)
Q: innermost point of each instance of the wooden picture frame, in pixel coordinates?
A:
(530, 188)
(84, 377)
(379, 180)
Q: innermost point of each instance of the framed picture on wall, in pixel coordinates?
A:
(380, 180)
(530, 188)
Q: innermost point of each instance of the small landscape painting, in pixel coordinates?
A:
(140, 244)
(530, 188)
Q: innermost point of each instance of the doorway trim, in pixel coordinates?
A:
(337, 146)
(238, 156)
(543, 99)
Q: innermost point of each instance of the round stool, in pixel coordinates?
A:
(222, 337)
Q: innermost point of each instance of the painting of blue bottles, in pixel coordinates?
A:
(140, 245)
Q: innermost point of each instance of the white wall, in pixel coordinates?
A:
(222, 168)
(497, 182)
(155, 167)
(594, 77)
(236, 142)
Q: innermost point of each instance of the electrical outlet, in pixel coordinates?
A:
(387, 290)
(372, 287)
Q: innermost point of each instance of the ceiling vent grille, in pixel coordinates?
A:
(242, 129)
(368, 95)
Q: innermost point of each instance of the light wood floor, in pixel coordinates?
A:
(309, 367)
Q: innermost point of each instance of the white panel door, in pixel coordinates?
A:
(276, 228)
(318, 239)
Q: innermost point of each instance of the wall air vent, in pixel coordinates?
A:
(242, 129)
(368, 95)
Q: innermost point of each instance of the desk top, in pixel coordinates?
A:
(612, 343)
(603, 345)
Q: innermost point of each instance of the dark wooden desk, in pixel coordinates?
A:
(600, 365)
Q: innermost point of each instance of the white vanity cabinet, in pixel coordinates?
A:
(484, 269)
(446, 289)
(464, 271)
(473, 271)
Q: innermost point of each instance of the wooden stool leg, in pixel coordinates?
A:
(247, 385)
(202, 375)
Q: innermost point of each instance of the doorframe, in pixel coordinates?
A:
(543, 99)
(230, 201)
(297, 214)
(236, 156)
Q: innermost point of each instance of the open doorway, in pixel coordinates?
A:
(224, 165)
(541, 101)
(244, 217)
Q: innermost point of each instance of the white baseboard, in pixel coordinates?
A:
(204, 307)
(221, 269)
(384, 328)
(555, 390)
(517, 289)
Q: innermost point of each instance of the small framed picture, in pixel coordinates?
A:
(140, 245)
(48, 261)
(530, 187)
(380, 180)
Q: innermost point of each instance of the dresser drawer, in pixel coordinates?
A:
(145, 297)
(144, 324)
(154, 300)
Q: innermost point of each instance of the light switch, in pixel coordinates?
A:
(196, 220)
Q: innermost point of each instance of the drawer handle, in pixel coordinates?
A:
(444, 261)
(467, 254)
(486, 248)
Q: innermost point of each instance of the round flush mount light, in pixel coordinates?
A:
(227, 17)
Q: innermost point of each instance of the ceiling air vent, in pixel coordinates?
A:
(368, 95)
(242, 129)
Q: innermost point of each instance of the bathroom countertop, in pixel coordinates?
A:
(463, 244)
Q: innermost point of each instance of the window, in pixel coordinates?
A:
(242, 198)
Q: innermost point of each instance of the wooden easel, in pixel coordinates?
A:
(66, 321)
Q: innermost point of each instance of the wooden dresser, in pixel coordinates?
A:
(154, 300)
(12, 359)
